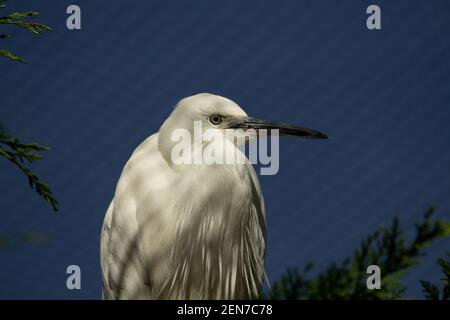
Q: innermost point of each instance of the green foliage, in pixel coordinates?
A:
(20, 153)
(431, 291)
(20, 19)
(386, 247)
(12, 149)
(9, 55)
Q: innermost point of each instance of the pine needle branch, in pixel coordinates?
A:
(20, 153)
(431, 291)
(20, 19)
(385, 247)
(11, 56)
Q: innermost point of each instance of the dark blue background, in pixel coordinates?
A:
(93, 95)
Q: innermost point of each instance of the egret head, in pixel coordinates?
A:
(217, 112)
(220, 115)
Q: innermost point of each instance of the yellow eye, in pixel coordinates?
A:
(215, 119)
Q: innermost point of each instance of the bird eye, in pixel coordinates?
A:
(215, 119)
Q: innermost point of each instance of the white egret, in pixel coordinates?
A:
(188, 231)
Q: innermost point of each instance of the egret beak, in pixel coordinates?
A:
(284, 129)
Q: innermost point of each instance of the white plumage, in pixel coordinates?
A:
(186, 231)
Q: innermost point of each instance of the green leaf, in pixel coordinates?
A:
(18, 15)
(18, 153)
(33, 27)
(11, 56)
(19, 19)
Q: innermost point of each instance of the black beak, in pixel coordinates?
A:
(284, 129)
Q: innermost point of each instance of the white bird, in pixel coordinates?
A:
(188, 231)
